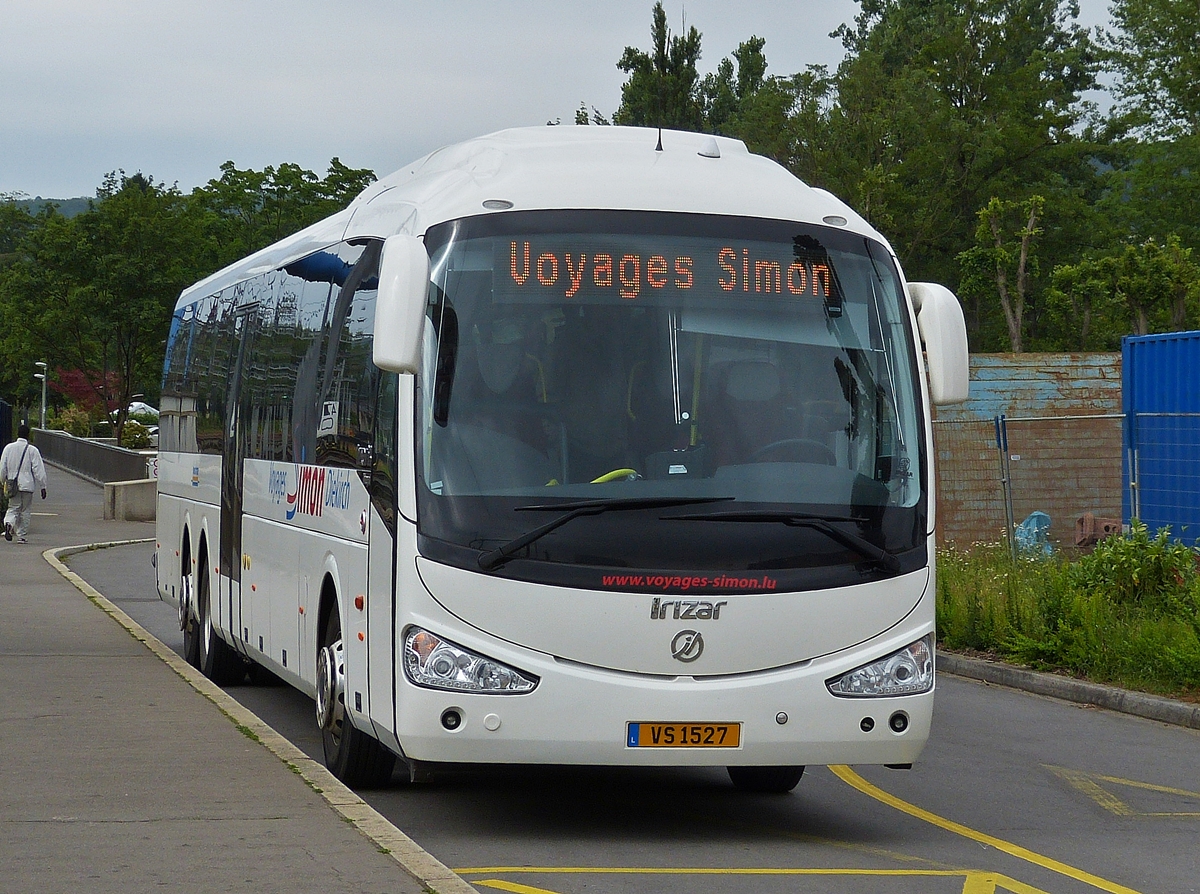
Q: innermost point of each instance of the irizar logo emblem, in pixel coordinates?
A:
(687, 646)
(685, 610)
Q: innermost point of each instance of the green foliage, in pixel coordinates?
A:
(92, 295)
(1149, 287)
(73, 420)
(663, 85)
(243, 211)
(1156, 57)
(135, 436)
(1155, 574)
(1128, 613)
(1003, 259)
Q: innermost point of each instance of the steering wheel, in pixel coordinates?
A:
(805, 449)
(616, 475)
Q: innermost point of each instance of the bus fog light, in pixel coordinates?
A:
(906, 672)
(898, 722)
(435, 663)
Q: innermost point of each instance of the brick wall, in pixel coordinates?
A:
(1064, 445)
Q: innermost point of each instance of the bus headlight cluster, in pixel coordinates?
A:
(906, 672)
(436, 663)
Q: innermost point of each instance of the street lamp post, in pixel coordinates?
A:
(42, 375)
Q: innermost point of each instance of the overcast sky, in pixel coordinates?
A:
(174, 88)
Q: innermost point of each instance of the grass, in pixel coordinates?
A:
(1127, 614)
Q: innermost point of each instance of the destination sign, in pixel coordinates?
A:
(605, 269)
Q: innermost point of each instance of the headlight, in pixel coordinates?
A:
(907, 672)
(439, 664)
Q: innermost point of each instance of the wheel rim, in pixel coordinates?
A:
(331, 688)
(185, 601)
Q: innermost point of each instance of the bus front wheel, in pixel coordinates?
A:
(354, 757)
(777, 780)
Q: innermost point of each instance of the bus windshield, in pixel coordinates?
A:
(744, 391)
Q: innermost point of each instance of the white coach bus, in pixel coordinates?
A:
(566, 445)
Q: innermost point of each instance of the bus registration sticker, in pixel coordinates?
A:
(683, 735)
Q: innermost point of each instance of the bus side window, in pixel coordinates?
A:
(383, 470)
(346, 392)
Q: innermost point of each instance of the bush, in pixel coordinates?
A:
(1153, 573)
(1128, 613)
(73, 420)
(135, 436)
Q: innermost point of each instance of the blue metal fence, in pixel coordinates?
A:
(1161, 403)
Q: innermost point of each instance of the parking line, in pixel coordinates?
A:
(852, 779)
(974, 881)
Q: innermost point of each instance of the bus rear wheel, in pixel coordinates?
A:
(776, 780)
(354, 757)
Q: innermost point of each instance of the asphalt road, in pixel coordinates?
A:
(1014, 793)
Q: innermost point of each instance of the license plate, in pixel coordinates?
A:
(683, 735)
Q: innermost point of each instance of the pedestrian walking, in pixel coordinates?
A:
(22, 471)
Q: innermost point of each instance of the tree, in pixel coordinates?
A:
(15, 223)
(243, 211)
(662, 89)
(942, 104)
(94, 293)
(1141, 288)
(1003, 258)
(1156, 55)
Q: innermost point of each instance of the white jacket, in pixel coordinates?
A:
(32, 474)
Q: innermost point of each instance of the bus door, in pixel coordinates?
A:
(229, 613)
(378, 465)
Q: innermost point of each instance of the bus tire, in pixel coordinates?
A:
(775, 780)
(218, 661)
(354, 757)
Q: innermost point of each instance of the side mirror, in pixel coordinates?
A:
(944, 334)
(400, 304)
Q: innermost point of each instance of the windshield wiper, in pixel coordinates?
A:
(822, 523)
(573, 510)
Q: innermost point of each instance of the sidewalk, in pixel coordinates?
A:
(124, 771)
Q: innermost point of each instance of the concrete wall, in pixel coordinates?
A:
(131, 500)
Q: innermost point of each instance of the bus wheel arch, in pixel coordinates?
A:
(353, 756)
(215, 658)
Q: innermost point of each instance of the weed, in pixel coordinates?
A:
(1128, 613)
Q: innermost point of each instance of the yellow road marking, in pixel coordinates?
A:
(990, 882)
(974, 882)
(1087, 784)
(511, 886)
(854, 780)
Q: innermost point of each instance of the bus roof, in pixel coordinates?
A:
(571, 167)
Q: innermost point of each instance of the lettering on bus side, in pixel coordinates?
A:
(278, 486)
(308, 498)
(685, 610)
(317, 489)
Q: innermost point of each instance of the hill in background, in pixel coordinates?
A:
(66, 207)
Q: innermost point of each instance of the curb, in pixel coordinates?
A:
(422, 866)
(1139, 704)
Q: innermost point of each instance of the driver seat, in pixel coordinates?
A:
(749, 412)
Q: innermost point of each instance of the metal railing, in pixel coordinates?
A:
(98, 463)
